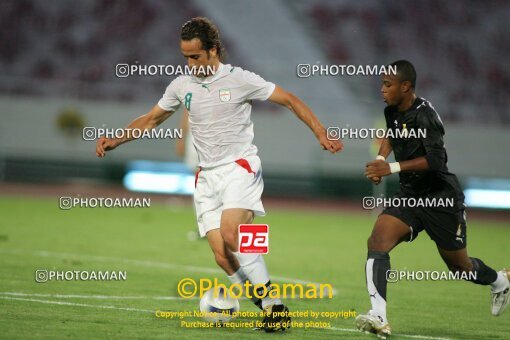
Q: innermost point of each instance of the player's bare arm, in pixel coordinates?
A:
(147, 121)
(303, 112)
(379, 168)
(180, 145)
(385, 149)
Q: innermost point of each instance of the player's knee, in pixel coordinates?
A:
(378, 242)
(373, 242)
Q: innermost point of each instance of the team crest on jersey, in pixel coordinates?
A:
(225, 95)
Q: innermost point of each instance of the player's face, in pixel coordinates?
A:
(391, 90)
(198, 57)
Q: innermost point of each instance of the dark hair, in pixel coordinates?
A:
(405, 71)
(206, 31)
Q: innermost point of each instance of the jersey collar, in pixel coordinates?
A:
(222, 71)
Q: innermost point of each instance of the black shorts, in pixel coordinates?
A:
(445, 225)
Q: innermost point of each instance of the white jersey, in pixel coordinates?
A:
(219, 109)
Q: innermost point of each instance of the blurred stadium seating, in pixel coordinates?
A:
(459, 47)
(71, 48)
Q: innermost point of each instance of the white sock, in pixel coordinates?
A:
(500, 284)
(238, 277)
(379, 306)
(377, 301)
(255, 269)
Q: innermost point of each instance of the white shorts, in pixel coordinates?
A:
(235, 185)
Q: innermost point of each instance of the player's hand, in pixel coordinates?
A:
(377, 168)
(104, 144)
(376, 180)
(332, 146)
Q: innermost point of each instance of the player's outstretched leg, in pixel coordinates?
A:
(388, 232)
(254, 268)
(458, 261)
(228, 262)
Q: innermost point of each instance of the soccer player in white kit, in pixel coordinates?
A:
(229, 183)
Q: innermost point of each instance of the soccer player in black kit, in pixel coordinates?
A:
(421, 164)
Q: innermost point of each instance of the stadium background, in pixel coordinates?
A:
(57, 75)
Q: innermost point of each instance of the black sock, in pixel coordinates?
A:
(485, 275)
(256, 301)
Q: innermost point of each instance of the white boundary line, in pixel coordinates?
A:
(96, 297)
(77, 304)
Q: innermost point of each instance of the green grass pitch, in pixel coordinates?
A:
(152, 245)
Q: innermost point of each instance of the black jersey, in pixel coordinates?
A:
(437, 181)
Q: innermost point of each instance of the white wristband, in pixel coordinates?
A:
(380, 157)
(394, 167)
